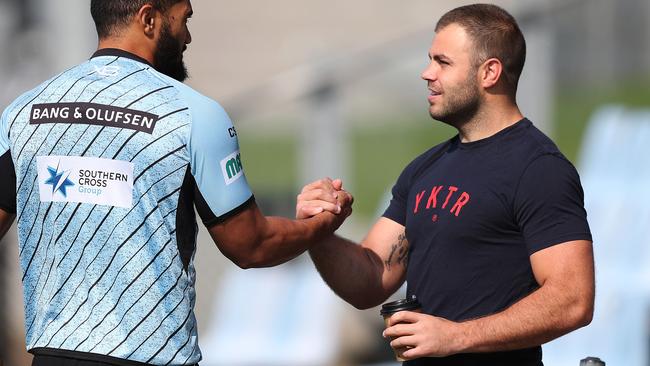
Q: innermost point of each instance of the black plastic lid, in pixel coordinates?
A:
(400, 305)
(592, 361)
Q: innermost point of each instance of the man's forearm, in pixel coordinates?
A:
(542, 316)
(352, 271)
(285, 239)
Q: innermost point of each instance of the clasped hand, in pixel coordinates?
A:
(324, 195)
(416, 335)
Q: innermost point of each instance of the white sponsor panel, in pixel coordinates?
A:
(231, 168)
(85, 180)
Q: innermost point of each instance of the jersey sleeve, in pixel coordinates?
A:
(8, 184)
(549, 204)
(215, 164)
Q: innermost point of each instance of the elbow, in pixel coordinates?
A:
(362, 305)
(250, 261)
(246, 259)
(582, 314)
(257, 258)
(244, 264)
(366, 302)
(585, 316)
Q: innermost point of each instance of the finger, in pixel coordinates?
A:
(325, 182)
(326, 206)
(399, 330)
(318, 194)
(305, 212)
(404, 317)
(404, 342)
(345, 212)
(411, 353)
(345, 198)
(337, 184)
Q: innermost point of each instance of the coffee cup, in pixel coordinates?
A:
(390, 308)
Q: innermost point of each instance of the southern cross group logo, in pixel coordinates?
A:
(58, 180)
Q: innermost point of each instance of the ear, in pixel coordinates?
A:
(148, 20)
(490, 72)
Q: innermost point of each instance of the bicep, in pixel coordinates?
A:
(387, 240)
(569, 265)
(235, 235)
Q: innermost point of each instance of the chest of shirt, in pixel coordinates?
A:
(460, 199)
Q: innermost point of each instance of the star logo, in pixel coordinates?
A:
(59, 180)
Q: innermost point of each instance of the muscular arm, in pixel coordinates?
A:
(253, 240)
(563, 302)
(6, 219)
(363, 274)
(367, 274)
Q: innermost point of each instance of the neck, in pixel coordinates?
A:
(123, 43)
(488, 121)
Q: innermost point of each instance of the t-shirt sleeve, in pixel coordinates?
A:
(215, 164)
(7, 184)
(549, 204)
(396, 210)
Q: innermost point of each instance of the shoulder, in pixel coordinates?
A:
(533, 143)
(23, 100)
(423, 161)
(202, 107)
(526, 146)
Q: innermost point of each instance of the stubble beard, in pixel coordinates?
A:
(461, 104)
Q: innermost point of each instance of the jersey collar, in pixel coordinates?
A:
(119, 53)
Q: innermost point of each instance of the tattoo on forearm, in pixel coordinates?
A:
(399, 253)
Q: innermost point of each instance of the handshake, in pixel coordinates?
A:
(327, 197)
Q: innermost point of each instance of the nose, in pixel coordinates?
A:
(429, 73)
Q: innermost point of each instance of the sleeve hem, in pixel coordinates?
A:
(219, 219)
(394, 218)
(559, 240)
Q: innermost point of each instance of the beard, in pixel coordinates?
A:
(168, 58)
(461, 104)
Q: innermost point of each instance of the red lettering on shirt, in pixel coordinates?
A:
(451, 189)
(433, 198)
(462, 200)
(418, 198)
(432, 201)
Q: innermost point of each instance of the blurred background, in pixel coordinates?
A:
(332, 88)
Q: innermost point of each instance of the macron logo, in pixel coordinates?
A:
(107, 70)
(231, 168)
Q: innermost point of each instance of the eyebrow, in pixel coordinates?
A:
(439, 57)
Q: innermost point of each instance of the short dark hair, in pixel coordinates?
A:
(495, 34)
(111, 15)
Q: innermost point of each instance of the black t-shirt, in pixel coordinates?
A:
(474, 213)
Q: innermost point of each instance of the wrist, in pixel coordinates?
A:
(318, 227)
(463, 337)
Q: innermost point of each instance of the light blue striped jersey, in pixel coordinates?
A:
(109, 158)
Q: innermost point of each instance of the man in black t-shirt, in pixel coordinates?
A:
(488, 228)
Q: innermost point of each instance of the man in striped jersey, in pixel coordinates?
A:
(103, 165)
